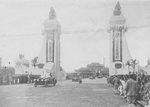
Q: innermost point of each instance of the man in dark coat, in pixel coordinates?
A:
(117, 82)
(132, 89)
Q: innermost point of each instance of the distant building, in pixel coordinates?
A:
(21, 65)
(6, 75)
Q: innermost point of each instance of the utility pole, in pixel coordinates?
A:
(104, 61)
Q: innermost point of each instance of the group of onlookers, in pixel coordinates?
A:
(134, 87)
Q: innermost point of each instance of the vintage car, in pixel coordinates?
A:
(45, 81)
(100, 76)
(92, 77)
(77, 79)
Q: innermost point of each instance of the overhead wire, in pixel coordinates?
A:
(97, 30)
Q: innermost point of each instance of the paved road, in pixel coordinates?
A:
(92, 93)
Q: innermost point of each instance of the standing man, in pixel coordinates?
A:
(117, 83)
(132, 89)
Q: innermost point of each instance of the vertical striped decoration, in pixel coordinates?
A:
(49, 50)
(117, 46)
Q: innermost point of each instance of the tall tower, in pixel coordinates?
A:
(119, 52)
(50, 52)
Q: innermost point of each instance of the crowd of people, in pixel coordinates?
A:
(134, 88)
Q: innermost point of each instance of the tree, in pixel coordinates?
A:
(128, 64)
(105, 71)
(95, 67)
(132, 63)
(34, 62)
(84, 72)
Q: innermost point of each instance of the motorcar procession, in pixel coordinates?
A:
(45, 81)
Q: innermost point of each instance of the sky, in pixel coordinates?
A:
(21, 24)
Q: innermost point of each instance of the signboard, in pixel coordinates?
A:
(117, 46)
(50, 51)
(118, 65)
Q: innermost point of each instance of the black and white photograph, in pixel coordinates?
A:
(74, 53)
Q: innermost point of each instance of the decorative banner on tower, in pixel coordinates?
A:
(50, 51)
(117, 46)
